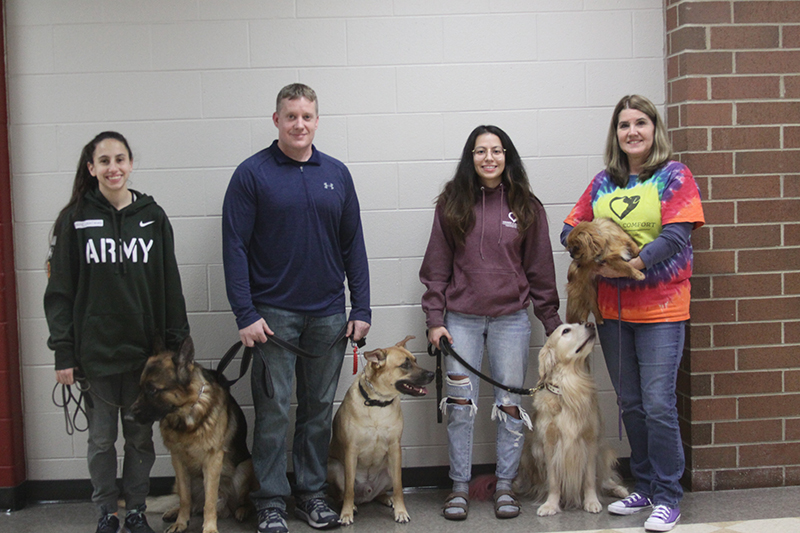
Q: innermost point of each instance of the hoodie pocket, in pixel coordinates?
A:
(487, 289)
(114, 343)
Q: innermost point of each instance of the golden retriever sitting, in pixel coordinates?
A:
(591, 245)
(566, 455)
(365, 458)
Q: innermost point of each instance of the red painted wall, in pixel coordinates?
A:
(12, 453)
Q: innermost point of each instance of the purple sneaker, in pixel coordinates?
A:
(630, 505)
(663, 518)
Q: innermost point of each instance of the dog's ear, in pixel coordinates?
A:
(376, 357)
(403, 342)
(547, 360)
(183, 360)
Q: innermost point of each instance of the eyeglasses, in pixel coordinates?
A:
(496, 152)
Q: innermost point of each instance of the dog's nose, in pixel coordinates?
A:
(590, 325)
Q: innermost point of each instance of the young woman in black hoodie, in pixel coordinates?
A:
(113, 289)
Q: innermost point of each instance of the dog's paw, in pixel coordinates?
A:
(592, 506)
(346, 519)
(401, 517)
(638, 274)
(176, 528)
(620, 492)
(171, 515)
(548, 509)
(243, 513)
(210, 530)
(385, 499)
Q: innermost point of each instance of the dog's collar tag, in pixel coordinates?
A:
(369, 402)
(553, 388)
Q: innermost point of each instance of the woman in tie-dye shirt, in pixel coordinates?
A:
(655, 200)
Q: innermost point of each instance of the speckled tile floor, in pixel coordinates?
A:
(771, 510)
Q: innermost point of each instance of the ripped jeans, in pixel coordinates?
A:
(507, 342)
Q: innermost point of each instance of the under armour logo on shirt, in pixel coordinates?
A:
(328, 185)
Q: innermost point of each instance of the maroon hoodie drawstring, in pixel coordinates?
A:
(483, 219)
(500, 234)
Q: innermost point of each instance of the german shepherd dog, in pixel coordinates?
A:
(365, 458)
(205, 431)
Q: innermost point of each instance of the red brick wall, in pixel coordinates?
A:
(733, 75)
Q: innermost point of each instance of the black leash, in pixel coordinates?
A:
(247, 357)
(433, 351)
(447, 349)
(67, 397)
(342, 334)
(84, 398)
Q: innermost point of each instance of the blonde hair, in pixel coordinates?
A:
(616, 160)
(294, 91)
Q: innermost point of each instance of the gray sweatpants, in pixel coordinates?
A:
(119, 390)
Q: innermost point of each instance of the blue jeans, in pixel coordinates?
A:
(316, 387)
(507, 342)
(645, 379)
(118, 389)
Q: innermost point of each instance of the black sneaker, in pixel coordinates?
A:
(317, 513)
(272, 520)
(108, 523)
(135, 521)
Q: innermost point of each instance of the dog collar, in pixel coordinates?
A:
(555, 389)
(369, 402)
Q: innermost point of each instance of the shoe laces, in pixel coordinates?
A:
(106, 519)
(269, 515)
(317, 505)
(633, 498)
(661, 512)
(135, 519)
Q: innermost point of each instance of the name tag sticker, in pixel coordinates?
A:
(91, 223)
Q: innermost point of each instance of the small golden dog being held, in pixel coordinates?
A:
(594, 244)
(365, 459)
(205, 431)
(566, 457)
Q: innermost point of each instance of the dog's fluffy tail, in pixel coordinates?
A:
(482, 487)
(161, 504)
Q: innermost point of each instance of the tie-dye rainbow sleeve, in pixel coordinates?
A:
(680, 200)
(583, 207)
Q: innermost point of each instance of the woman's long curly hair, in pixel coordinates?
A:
(462, 192)
(616, 160)
(84, 181)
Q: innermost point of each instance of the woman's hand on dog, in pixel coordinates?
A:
(255, 332)
(608, 272)
(66, 376)
(434, 334)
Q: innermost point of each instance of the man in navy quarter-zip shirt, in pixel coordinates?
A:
(291, 234)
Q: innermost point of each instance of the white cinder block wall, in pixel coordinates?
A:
(401, 83)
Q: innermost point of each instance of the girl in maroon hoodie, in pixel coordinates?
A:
(488, 258)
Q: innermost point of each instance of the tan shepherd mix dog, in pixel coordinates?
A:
(566, 456)
(591, 245)
(205, 431)
(365, 459)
